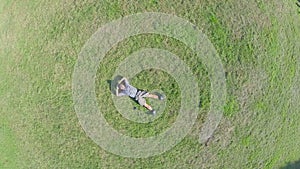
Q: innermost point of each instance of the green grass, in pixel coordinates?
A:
(258, 43)
(8, 148)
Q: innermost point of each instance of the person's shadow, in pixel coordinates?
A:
(292, 165)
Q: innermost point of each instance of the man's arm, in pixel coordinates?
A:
(120, 94)
(125, 81)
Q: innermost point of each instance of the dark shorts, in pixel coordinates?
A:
(139, 97)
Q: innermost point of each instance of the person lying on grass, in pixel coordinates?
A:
(125, 89)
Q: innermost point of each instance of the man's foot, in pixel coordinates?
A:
(161, 97)
(153, 112)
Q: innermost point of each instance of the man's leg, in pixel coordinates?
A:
(142, 102)
(155, 96)
(152, 111)
(148, 106)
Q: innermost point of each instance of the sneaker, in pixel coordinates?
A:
(153, 112)
(160, 96)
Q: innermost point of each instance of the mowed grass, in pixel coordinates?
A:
(258, 45)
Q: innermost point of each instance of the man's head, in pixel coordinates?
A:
(121, 86)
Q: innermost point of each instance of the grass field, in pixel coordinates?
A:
(258, 43)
